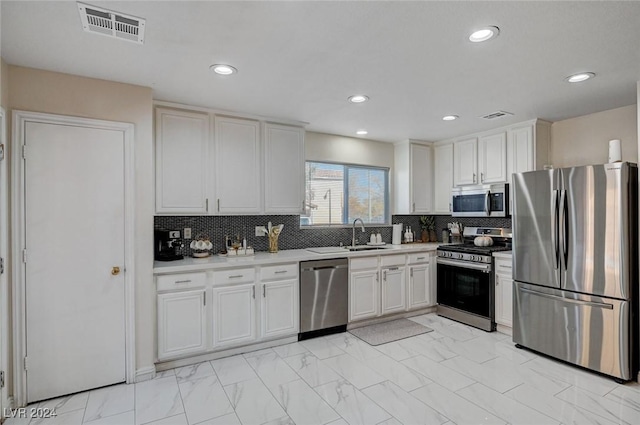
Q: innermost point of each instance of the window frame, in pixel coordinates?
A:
(345, 211)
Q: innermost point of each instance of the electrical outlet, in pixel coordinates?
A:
(187, 232)
(259, 231)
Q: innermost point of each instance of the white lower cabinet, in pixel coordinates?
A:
(504, 292)
(364, 294)
(280, 308)
(420, 286)
(394, 298)
(234, 319)
(182, 323)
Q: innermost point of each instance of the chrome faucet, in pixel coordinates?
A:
(353, 233)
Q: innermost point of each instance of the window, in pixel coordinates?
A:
(339, 193)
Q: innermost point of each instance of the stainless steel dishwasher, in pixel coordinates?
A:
(324, 297)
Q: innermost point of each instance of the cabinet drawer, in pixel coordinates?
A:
(392, 260)
(363, 263)
(283, 271)
(225, 277)
(419, 257)
(181, 281)
(504, 266)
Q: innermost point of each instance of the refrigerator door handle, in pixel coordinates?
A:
(568, 300)
(565, 227)
(554, 231)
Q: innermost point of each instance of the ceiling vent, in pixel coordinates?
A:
(112, 24)
(498, 114)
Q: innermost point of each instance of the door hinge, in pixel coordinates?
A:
(25, 363)
(24, 255)
(24, 151)
(2, 379)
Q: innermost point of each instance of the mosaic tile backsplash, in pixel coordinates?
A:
(293, 237)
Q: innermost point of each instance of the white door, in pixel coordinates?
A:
(465, 162)
(394, 298)
(420, 287)
(364, 298)
(443, 170)
(4, 315)
(181, 323)
(492, 158)
(280, 303)
(74, 271)
(284, 169)
(421, 178)
(234, 318)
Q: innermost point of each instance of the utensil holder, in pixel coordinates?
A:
(273, 243)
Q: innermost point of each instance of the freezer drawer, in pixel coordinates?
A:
(588, 331)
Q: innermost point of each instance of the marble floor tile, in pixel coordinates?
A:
(432, 319)
(157, 399)
(196, 371)
(66, 404)
(392, 421)
(396, 372)
(428, 348)
(311, 369)
(230, 419)
(547, 403)
(233, 369)
(289, 350)
(456, 332)
(355, 347)
(543, 382)
(402, 405)
(285, 420)
(484, 373)
(339, 422)
(204, 399)
(353, 370)
(253, 402)
(458, 409)
(351, 404)
(444, 376)
(465, 349)
(180, 419)
(502, 348)
(303, 404)
(628, 395)
(73, 417)
(126, 418)
(109, 401)
(572, 375)
(258, 352)
(272, 369)
(322, 348)
(613, 410)
(165, 374)
(396, 350)
(504, 407)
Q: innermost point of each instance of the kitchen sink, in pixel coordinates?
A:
(364, 248)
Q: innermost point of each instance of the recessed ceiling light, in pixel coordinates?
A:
(484, 34)
(449, 117)
(358, 98)
(583, 76)
(223, 69)
(362, 132)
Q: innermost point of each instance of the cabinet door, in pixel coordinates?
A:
(181, 144)
(284, 169)
(394, 296)
(421, 178)
(280, 308)
(465, 162)
(238, 166)
(504, 300)
(492, 158)
(234, 319)
(520, 155)
(364, 297)
(181, 323)
(443, 181)
(420, 287)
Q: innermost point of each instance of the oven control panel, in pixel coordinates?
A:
(465, 256)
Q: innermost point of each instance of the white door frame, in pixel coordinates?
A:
(4, 245)
(20, 118)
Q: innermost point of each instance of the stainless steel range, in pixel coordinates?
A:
(466, 279)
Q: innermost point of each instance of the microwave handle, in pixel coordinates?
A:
(487, 203)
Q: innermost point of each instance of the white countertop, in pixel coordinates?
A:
(284, 256)
(503, 254)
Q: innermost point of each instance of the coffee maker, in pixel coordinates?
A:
(166, 243)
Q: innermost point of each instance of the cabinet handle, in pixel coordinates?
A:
(504, 267)
(254, 292)
(421, 258)
(392, 268)
(204, 300)
(384, 276)
(411, 273)
(218, 204)
(280, 271)
(378, 277)
(474, 177)
(235, 276)
(302, 207)
(183, 281)
(449, 206)
(264, 291)
(206, 208)
(497, 280)
(414, 207)
(482, 177)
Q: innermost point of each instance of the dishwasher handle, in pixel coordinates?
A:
(310, 269)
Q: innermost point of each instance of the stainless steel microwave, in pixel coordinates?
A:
(480, 201)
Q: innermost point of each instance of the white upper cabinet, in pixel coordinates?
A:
(182, 143)
(443, 178)
(283, 169)
(238, 166)
(492, 158)
(465, 162)
(413, 178)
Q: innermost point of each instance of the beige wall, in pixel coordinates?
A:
(332, 148)
(51, 92)
(585, 140)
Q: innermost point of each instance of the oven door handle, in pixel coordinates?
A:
(464, 264)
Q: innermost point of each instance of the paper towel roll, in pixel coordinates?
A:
(615, 154)
(396, 238)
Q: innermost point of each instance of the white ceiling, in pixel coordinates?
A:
(301, 60)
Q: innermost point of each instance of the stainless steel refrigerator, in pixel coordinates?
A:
(575, 265)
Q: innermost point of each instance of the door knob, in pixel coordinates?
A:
(115, 271)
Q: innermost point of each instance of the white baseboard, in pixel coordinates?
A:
(504, 329)
(145, 373)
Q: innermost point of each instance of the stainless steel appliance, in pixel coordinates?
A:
(466, 280)
(575, 266)
(324, 297)
(480, 201)
(166, 245)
